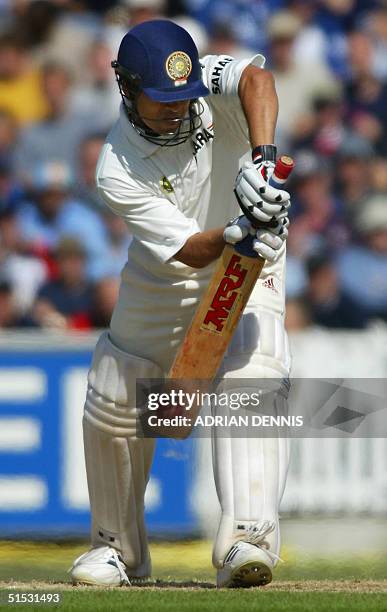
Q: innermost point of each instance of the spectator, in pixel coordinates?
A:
(58, 136)
(85, 188)
(366, 94)
(337, 18)
(311, 45)
(354, 168)
(296, 279)
(362, 267)
(23, 272)
(296, 90)
(36, 22)
(360, 55)
(8, 134)
(298, 315)
(378, 174)
(105, 297)
(99, 6)
(54, 213)
(8, 313)
(247, 21)
(224, 42)
(317, 212)
(11, 192)
(144, 10)
(98, 89)
(376, 26)
(329, 305)
(68, 41)
(21, 92)
(330, 131)
(66, 302)
(117, 235)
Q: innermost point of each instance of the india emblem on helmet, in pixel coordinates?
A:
(179, 67)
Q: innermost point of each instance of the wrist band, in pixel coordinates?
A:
(264, 153)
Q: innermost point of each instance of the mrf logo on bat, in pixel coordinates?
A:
(226, 296)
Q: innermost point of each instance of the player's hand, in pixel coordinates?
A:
(258, 199)
(268, 242)
(237, 230)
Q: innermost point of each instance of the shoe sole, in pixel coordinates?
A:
(96, 584)
(90, 582)
(250, 574)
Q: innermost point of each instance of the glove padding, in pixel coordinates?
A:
(237, 230)
(267, 241)
(258, 200)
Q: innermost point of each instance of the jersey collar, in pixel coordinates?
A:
(142, 146)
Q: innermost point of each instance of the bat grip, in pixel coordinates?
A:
(282, 170)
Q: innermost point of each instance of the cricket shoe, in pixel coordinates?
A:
(249, 562)
(102, 566)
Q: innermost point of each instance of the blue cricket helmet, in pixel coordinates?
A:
(160, 58)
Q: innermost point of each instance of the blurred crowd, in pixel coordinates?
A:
(61, 250)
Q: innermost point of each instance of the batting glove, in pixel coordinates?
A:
(259, 200)
(237, 230)
(266, 242)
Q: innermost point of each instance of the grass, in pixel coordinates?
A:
(186, 581)
(200, 600)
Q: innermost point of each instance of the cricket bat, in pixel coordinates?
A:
(222, 305)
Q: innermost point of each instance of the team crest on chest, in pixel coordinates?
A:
(165, 185)
(179, 67)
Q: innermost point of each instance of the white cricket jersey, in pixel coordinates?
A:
(167, 194)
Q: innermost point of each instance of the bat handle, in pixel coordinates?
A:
(282, 169)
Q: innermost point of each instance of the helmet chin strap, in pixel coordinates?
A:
(185, 129)
(143, 119)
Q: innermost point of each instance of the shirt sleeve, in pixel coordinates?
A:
(154, 221)
(221, 73)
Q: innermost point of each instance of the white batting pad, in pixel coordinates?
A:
(250, 478)
(117, 463)
(250, 472)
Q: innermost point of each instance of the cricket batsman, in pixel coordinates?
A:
(190, 132)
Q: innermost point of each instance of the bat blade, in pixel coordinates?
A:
(217, 316)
